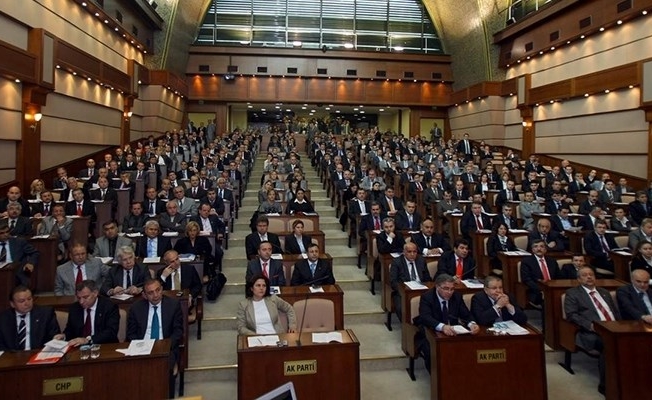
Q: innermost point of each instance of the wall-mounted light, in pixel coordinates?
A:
(36, 118)
(128, 114)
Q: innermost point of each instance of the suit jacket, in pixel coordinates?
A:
(494, 246)
(292, 245)
(448, 265)
(630, 305)
(102, 246)
(171, 321)
(367, 223)
(105, 324)
(88, 208)
(189, 206)
(484, 313)
(217, 205)
(49, 226)
(227, 195)
(400, 271)
(567, 271)
(354, 208)
(468, 224)
(604, 197)
(216, 223)
(638, 212)
(202, 247)
(163, 245)
(22, 227)
(275, 269)
(22, 251)
(402, 222)
(619, 226)
(158, 206)
(531, 271)
(635, 236)
(38, 208)
(115, 277)
(385, 247)
(551, 237)
(465, 194)
(176, 223)
(64, 282)
(43, 327)
(526, 213)
(252, 241)
(580, 309)
(201, 193)
(430, 313)
(134, 224)
(500, 218)
(437, 241)
(593, 247)
(189, 280)
(25, 211)
(585, 206)
(551, 207)
(303, 276)
(111, 196)
(431, 196)
(384, 204)
(246, 315)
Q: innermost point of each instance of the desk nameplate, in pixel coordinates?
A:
(300, 367)
(492, 356)
(72, 384)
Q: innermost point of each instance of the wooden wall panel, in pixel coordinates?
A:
(350, 91)
(235, 89)
(379, 92)
(321, 90)
(262, 89)
(291, 89)
(406, 92)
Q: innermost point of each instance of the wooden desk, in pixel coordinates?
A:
(552, 309)
(628, 358)
(80, 230)
(45, 272)
(408, 294)
(513, 377)
(123, 205)
(104, 213)
(334, 293)
(621, 265)
(480, 256)
(111, 374)
(336, 376)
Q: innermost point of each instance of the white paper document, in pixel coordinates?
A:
(134, 235)
(187, 257)
(509, 328)
(170, 234)
(151, 260)
(316, 289)
(473, 283)
(106, 260)
(261, 341)
(460, 330)
(517, 253)
(122, 296)
(56, 345)
(138, 348)
(40, 237)
(327, 337)
(414, 285)
(396, 255)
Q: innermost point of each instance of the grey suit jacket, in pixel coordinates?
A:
(49, 226)
(189, 206)
(102, 246)
(580, 308)
(246, 319)
(64, 282)
(635, 236)
(526, 210)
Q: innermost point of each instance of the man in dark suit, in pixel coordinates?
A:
(535, 268)
(128, 276)
(389, 203)
(460, 192)
(312, 270)
(18, 225)
(569, 271)
(428, 241)
(153, 205)
(598, 243)
(508, 194)
(161, 316)
(635, 299)
(493, 305)
(641, 208)
(105, 193)
(17, 250)
(92, 318)
(177, 276)
(589, 203)
(474, 221)
(223, 192)
(213, 200)
(408, 218)
(151, 244)
(135, 221)
(464, 146)
(552, 239)
(584, 305)
(253, 240)
(80, 206)
(409, 267)
(13, 196)
(506, 217)
(441, 308)
(389, 241)
(23, 317)
(44, 207)
(195, 191)
(457, 263)
(265, 265)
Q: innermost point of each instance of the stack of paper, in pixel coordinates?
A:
(510, 328)
(414, 285)
(327, 337)
(152, 260)
(261, 341)
(473, 283)
(138, 348)
(316, 289)
(460, 330)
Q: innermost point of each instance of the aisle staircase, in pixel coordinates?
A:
(212, 368)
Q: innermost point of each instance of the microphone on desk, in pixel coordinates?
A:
(305, 307)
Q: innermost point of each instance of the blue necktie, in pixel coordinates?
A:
(301, 247)
(313, 267)
(150, 248)
(155, 325)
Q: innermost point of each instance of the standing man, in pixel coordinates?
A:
(25, 326)
(584, 305)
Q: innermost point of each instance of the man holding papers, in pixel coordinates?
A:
(443, 309)
(92, 319)
(24, 317)
(494, 305)
(408, 267)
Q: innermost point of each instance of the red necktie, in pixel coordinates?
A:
(605, 248)
(265, 272)
(544, 270)
(478, 222)
(599, 306)
(79, 278)
(459, 269)
(79, 209)
(376, 224)
(87, 330)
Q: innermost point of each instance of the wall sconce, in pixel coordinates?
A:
(37, 118)
(527, 124)
(128, 115)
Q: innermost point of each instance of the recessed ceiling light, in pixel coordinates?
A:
(620, 22)
(586, 95)
(602, 29)
(17, 80)
(607, 91)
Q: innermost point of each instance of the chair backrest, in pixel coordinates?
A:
(308, 224)
(521, 242)
(563, 309)
(281, 239)
(484, 246)
(433, 266)
(518, 268)
(622, 240)
(467, 299)
(283, 319)
(62, 319)
(122, 327)
(414, 306)
(276, 225)
(319, 315)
